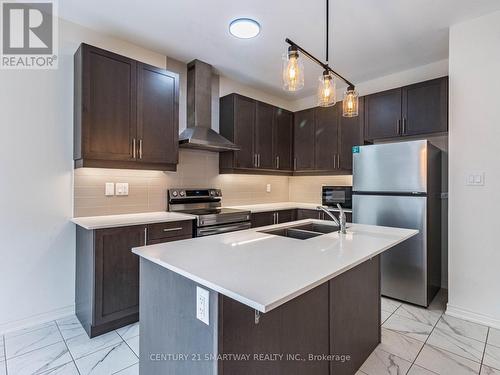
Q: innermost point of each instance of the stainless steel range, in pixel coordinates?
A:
(205, 204)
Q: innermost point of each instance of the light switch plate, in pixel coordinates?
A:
(122, 188)
(109, 189)
(268, 188)
(475, 179)
(203, 305)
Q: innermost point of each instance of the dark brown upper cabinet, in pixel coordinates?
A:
(125, 112)
(425, 107)
(304, 140)
(262, 131)
(283, 139)
(383, 114)
(417, 109)
(350, 134)
(326, 139)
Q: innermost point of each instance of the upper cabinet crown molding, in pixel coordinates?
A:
(126, 113)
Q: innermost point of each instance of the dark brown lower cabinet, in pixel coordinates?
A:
(329, 330)
(261, 219)
(107, 272)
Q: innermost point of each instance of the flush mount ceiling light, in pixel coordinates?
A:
(244, 28)
(293, 76)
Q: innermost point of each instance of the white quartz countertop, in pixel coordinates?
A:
(111, 221)
(254, 208)
(264, 271)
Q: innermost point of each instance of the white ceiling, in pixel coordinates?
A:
(368, 38)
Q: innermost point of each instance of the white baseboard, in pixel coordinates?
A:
(472, 316)
(34, 320)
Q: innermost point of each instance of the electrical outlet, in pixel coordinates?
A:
(109, 190)
(268, 188)
(203, 305)
(122, 188)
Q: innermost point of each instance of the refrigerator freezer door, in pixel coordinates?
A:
(392, 167)
(404, 267)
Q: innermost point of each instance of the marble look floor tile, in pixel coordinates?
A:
(411, 328)
(381, 362)
(29, 329)
(492, 357)
(389, 305)
(457, 344)
(417, 370)
(129, 331)
(400, 345)
(419, 314)
(445, 363)
(132, 370)
(134, 344)
(70, 327)
(67, 369)
(494, 337)
(40, 360)
(80, 346)
(486, 370)
(384, 316)
(463, 328)
(32, 340)
(107, 361)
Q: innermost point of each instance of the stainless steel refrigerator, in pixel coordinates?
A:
(399, 185)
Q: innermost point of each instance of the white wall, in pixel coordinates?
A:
(474, 262)
(37, 266)
(406, 77)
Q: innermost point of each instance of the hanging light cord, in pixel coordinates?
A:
(327, 31)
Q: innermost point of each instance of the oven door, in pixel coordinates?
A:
(218, 229)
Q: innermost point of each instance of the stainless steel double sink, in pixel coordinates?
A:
(303, 231)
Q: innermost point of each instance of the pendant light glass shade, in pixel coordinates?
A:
(326, 90)
(293, 71)
(350, 105)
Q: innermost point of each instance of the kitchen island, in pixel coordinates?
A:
(276, 304)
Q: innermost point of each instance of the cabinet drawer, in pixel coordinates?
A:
(169, 239)
(171, 229)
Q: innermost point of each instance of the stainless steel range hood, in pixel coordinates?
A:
(199, 133)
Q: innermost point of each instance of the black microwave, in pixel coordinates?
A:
(331, 195)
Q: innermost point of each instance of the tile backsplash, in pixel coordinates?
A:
(147, 189)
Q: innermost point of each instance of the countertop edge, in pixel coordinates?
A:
(265, 308)
(125, 222)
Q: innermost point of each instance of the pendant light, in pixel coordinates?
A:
(350, 105)
(293, 77)
(326, 90)
(293, 70)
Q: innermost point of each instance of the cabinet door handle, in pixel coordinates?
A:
(255, 160)
(140, 148)
(334, 161)
(134, 148)
(399, 126)
(338, 161)
(404, 125)
(172, 229)
(294, 164)
(277, 162)
(145, 236)
(277, 217)
(258, 160)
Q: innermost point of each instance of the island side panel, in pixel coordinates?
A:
(169, 326)
(355, 315)
(300, 326)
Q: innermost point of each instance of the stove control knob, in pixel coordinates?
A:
(218, 193)
(175, 193)
(182, 193)
(212, 193)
